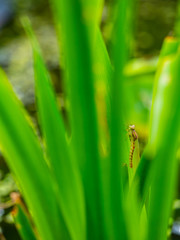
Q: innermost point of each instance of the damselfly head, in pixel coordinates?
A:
(131, 127)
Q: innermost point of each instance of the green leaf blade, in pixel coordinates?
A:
(164, 145)
(64, 166)
(79, 36)
(24, 156)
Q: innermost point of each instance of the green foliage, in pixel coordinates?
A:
(22, 218)
(79, 185)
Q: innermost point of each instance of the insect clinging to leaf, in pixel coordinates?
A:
(133, 137)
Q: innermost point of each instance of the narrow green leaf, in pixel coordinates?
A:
(64, 166)
(25, 158)
(76, 20)
(102, 67)
(102, 71)
(119, 136)
(165, 113)
(158, 121)
(21, 218)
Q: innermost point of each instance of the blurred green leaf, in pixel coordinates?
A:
(165, 118)
(76, 23)
(118, 132)
(159, 114)
(21, 218)
(64, 166)
(25, 158)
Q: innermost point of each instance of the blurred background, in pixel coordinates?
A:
(154, 21)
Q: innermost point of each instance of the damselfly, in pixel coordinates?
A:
(133, 137)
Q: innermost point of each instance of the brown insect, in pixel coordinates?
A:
(133, 137)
